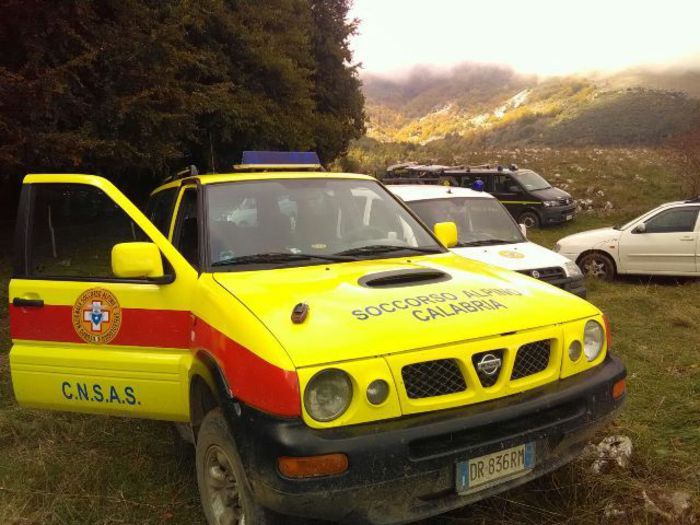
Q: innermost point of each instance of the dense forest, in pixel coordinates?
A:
(136, 89)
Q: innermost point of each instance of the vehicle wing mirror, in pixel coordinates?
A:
(446, 232)
(640, 228)
(137, 260)
(523, 230)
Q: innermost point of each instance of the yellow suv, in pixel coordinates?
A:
(323, 350)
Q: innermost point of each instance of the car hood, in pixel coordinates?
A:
(551, 194)
(591, 238)
(350, 317)
(518, 256)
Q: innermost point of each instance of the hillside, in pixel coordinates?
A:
(494, 106)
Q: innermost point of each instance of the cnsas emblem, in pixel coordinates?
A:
(97, 316)
(511, 254)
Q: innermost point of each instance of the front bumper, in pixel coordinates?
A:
(558, 214)
(574, 285)
(404, 469)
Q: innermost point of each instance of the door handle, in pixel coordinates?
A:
(687, 238)
(27, 303)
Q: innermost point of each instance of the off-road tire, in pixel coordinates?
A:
(529, 219)
(223, 486)
(598, 265)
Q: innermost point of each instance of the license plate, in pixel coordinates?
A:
(510, 463)
(569, 217)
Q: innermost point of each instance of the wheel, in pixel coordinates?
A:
(529, 219)
(223, 487)
(598, 265)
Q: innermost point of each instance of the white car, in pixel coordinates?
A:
(663, 241)
(488, 233)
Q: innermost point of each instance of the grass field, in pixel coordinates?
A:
(66, 468)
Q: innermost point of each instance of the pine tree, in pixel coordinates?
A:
(136, 89)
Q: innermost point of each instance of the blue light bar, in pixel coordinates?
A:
(286, 158)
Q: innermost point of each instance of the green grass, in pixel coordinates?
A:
(66, 468)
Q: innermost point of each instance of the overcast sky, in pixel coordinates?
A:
(533, 36)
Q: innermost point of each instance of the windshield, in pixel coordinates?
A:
(479, 221)
(293, 222)
(531, 181)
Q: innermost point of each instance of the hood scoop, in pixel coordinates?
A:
(401, 278)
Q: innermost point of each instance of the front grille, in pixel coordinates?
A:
(433, 378)
(531, 359)
(488, 372)
(553, 273)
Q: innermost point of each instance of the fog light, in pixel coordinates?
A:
(312, 466)
(575, 349)
(619, 389)
(377, 391)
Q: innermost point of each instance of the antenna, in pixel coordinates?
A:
(211, 153)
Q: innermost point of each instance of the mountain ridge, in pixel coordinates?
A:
(494, 105)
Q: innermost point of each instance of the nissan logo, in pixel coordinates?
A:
(489, 364)
(535, 274)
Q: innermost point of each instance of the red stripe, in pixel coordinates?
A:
(252, 379)
(140, 327)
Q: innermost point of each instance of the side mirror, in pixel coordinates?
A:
(523, 230)
(137, 260)
(446, 232)
(640, 228)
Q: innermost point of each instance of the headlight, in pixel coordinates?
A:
(549, 204)
(572, 269)
(328, 395)
(593, 338)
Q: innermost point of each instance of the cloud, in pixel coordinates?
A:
(546, 37)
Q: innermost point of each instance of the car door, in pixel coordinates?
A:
(509, 192)
(84, 338)
(663, 243)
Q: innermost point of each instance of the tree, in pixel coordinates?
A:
(135, 89)
(339, 101)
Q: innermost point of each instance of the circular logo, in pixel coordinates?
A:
(489, 364)
(511, 254)
(535, 274)
(97, 316)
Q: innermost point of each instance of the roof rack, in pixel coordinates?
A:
(189, 171)
(442, 169)
(441, 181)
(253, 161)
(693, 200)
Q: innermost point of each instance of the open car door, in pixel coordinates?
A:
(99, 304)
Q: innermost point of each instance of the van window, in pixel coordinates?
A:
(159, 209)
(479, 221)
(531, 181)
(73, 230)
(504, 184)
(186, 235)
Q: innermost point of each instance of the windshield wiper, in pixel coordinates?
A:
(277, 257)
(372, 249)
(484, 242)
